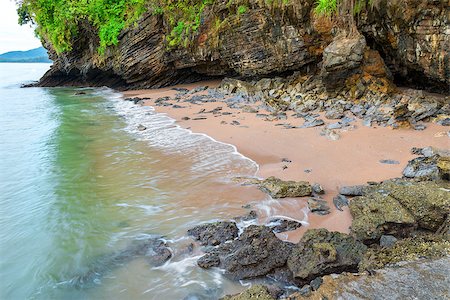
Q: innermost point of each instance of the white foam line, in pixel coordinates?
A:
(119, 97)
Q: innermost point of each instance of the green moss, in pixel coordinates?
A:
(242, 9)
(427, 246)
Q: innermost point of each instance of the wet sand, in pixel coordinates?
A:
(352, 159)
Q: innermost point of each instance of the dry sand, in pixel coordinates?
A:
(352, 159)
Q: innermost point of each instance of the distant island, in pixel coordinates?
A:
(38, 55)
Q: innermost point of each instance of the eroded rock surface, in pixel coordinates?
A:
(321, 252)
(213, 234)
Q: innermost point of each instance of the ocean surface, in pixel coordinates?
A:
(80, 183)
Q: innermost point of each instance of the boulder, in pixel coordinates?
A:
(377, 214)
(256, 252)
(213, 234)
(278, 188)
(321, 252)
(341, 59)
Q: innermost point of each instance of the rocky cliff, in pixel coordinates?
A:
(412, 36)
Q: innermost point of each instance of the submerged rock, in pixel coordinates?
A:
(321, 252)
(255, 253)
(318, 206)
(278, 188)
(282, 225)
(213, 234)
(154, 250)
(340, 201)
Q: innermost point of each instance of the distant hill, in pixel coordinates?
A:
(30, 56)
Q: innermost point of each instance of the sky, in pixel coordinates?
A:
(12, 35)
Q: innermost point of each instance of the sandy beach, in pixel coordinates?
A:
(303, 153)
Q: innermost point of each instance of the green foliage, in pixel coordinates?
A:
(57, 20)
(326, 7)
(242, 9)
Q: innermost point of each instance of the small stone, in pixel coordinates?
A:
(234, 122)
(313, 123)
(444, 122)
(318, 189)
(141, 127)
(389, 162)
(318, 206)
(367, 122)
(199, 118)
(388, 241)
(419, 127)
(282, 225)
(286, 160)
(339, 201)
(185, 118)
(336, 125)
(316, 283)
(355, 190)
(305, 290)
(307, 171)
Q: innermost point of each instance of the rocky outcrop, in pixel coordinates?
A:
(321, 252)
(278, 188)
(256, 252)
(413, 36)
(265, 40)
(400, 207)
(422, 279)
(257, 292)
(214, 234)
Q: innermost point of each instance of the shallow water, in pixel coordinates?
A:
(78, 181)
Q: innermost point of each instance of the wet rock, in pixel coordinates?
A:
(318, 189)
(305, 290)
(423, 246)
(278, 188)
(340, 201)
(255, 253)
(154, 250)
(444, 122)
(252, 215)
(256, 292)
(214, 234)
(208, 260)
(354, 190)
(141, 127)
(321, 252)
(388, 241)
(421, 279)
(318, 206)
(282, 225)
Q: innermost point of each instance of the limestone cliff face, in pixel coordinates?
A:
(263, 41)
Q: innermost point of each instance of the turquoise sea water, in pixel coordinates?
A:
(79, 182)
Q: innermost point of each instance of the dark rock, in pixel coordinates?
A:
(214, 234)
(387, 241)
(318, 189)
(154, 250)
(389, 162)
(340, 201)
(141, 127)
(282, 225)
(321, 252)
(316, 283)
(305, 290)
(354, 190)
(252, 215)
(318, 206)
(255, 253)
(278, 188)
(208, 260)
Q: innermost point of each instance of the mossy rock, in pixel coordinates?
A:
(426, 246)
(278, 188)
(443, 164)
(428, 202)
(256, 292)
(321, 252)
(377, 214)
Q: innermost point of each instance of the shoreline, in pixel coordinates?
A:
(352, 159)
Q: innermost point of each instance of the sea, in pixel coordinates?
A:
(79, 184)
